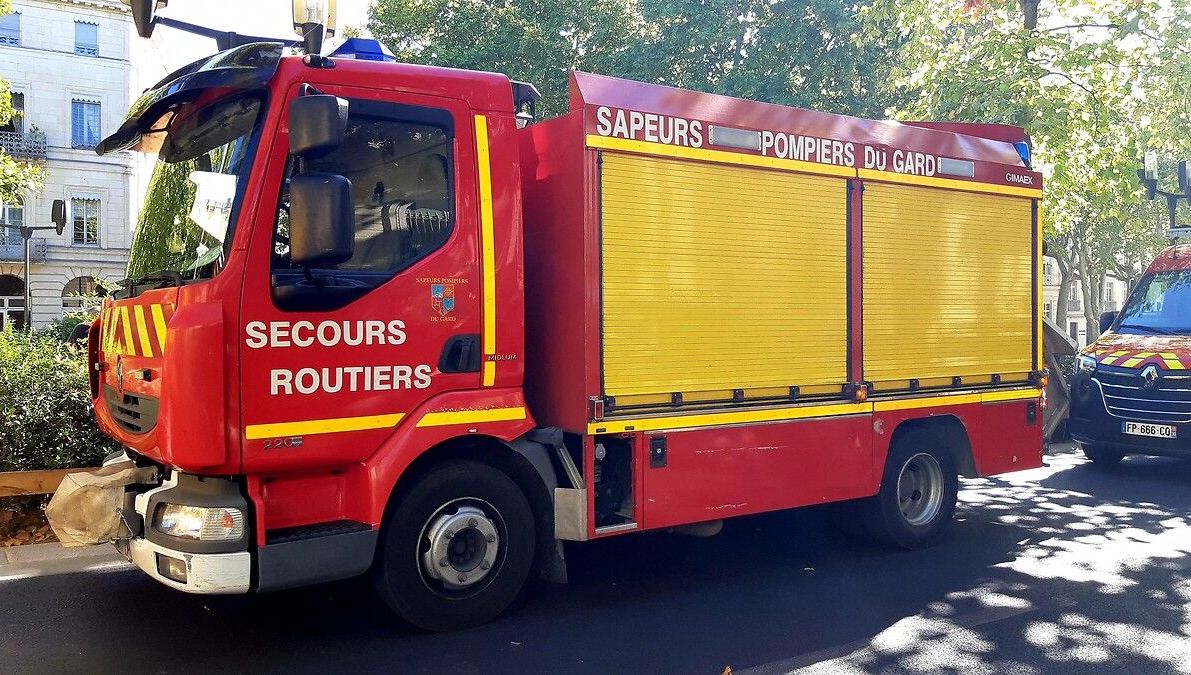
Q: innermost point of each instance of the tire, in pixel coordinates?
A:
(482, 530)
(1101, 456)
(919, 512)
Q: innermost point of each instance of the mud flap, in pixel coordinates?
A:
(85, 510)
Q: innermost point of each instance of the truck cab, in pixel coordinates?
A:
(1131, 390)
(290, 285)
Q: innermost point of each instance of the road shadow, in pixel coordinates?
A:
(772, 593)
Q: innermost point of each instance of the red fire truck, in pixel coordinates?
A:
(378, 320)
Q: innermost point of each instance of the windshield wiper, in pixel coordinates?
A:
(163, 279)
(1150, 329)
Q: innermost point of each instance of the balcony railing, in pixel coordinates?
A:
(30, 146)
(15, 252)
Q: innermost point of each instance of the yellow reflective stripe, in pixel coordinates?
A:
(717, 156)
(948, 183)
(721, 418)
(1173, 364)
(440, 419)
(129, 347)
(327, 426)
(487, 246)
(1009, 395)
(925, 402)
(142, 330)
(159, 326)
(106, 332)
(1137, 358)
(1039, 329)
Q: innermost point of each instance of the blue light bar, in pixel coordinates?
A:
(1023, 150)
(362, 49)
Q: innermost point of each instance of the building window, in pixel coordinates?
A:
(10, 30)
(1046, 311)
(84, 124)
(12, 216)
(85, 213)
(16, 123)
(12, 302)
(1073, 329)
(1075, 299)
(83, 293)
(86, 38)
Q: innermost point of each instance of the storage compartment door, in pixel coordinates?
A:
(948, 286)
(719, 278)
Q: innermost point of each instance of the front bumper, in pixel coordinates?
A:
(224, 568)
(1091, 423)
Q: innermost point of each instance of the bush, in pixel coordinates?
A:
(46, 420)
(60, 328)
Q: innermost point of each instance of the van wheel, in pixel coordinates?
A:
(918, 493)
(1101, 456)
(457, 549)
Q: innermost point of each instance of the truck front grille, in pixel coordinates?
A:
(133, 412)
(1126, 395)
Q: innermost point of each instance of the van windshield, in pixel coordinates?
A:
(1161, 305)
(186, 223)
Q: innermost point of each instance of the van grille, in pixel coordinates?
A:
(1125, 396)
(133, 412)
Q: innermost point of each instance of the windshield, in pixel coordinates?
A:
(1161, 305)
(185, 224)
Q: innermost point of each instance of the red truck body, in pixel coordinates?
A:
(329, 427)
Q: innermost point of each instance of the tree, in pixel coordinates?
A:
(1077, 76)
(781, 51)
(16, 178)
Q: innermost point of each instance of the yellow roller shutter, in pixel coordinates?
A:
(720, 277)
(948, 287)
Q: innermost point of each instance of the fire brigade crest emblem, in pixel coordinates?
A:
(442, 298)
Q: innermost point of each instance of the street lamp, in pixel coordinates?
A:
(58, 216)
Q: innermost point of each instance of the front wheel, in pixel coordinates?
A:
(918, 493)
(457, 549)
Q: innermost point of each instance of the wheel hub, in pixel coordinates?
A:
(920, 489)
(463, 546)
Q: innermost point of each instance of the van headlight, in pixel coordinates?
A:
(1085, 363)
(202, 523)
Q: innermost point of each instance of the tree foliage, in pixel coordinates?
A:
(781, 51)
(1082, 78)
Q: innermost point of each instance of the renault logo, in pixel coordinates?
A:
(1149, 376)
(120, 374)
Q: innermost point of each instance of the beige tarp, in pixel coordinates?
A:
(85, 509)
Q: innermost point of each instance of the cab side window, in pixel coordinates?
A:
(400, 161)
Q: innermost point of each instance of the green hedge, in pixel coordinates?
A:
(46, 421)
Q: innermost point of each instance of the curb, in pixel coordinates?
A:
(39, 553)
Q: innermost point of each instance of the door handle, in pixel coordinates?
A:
(461, 354)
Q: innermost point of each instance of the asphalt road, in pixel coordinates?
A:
(1061, 569)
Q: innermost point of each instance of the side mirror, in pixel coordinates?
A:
(58, 215)
(1106, 321)
(321, 221)
(317, 124)
(1184, 180)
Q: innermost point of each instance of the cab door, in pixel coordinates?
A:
(332, 359)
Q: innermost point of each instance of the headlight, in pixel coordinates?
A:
(1085, 363)
(200, 522)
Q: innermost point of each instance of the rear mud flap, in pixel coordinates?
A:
(85, 510)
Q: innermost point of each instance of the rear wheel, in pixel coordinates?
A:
(1101, 456)
(457, 549)
(918, 493)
